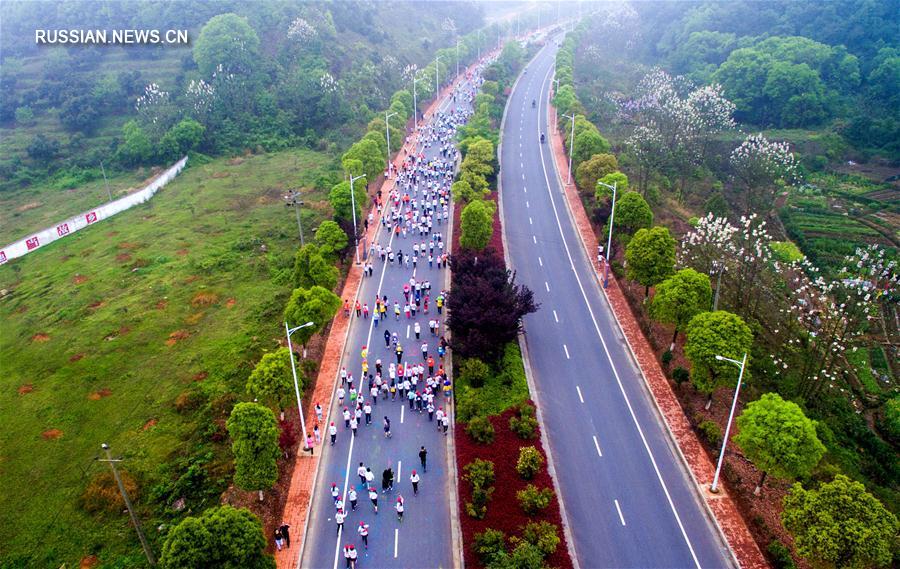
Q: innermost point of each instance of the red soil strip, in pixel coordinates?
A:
(149, 424)
(40, 337)
(191, 279)
(123, 257)
(161, 305)
(89, 562)
(98, 395)
(181, 252)
(52, 434)
(128, 245)
(124, 330)
(112, 233)
(194, 318)
(503, 511)
(177, 335)
(200, 376)
(79, 279)
(204, 299)
(27, 388)
(296, 508)
(96, 305)
(230, 303)
(722, 505)
(77, 357)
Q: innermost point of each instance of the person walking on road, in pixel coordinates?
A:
(361, 472)
(373, 495)
(332, 432)
(399, 507)
(351, 495)
(423, 458)
(279, 539)
(387, 423)
(339, 518)
(286, 533)
(414, 478)
(387, 339)
(363, 531)
(387, 480)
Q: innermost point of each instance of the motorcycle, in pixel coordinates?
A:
(542, 138)
(532, 103)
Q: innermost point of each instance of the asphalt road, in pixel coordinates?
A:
(628, 498)
(424, 538)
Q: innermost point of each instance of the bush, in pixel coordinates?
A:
(474, 372)
(524, 556)
(189, 400)
(680, 375)
(102, 493)
(481, 430)
(543, 535)
(477, 508)
(525, 427)
(890, 422)
(711, 432)
(468, 406)
(488, 544)
(667, 358)
(781, 555)
(529, 463)
(479, 473)
(533, 500)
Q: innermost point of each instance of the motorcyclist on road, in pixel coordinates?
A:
(532, 103)
(542, 137)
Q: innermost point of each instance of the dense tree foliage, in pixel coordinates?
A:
(711, 334)
(254, 442)
(315, 304)
(312, 267)
(224, 537)
(486, 307)
(840, 525)
(271, 380)
(681, 297)
(477, 224)
(650, 256)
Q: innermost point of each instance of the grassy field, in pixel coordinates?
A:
(105, 329)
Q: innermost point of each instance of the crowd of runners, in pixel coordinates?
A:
(414, 217)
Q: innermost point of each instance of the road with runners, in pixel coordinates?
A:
(628, 499)
(424, 537)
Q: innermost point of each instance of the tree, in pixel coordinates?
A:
(477, 224)
(632, 212)
(778, 438)
(181, 139)
(679, 298)
(711, 334)
(339, 197)
(315, 304)
(486, 307)
(79, 114)
(271, 379)
(227, 40)
(650, 256)
(840, 525)
(43, 149)
(332, 240)
(224, 537)
(596, 167)
(617, 179)
(480, 156)
(588, 143)
(254, 434)
(312, 269)
(135, 149)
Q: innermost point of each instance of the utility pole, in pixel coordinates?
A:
(387, 131)
(137, 524)
(612, 214)
(293, 200)
(105, 181)
(353, 207)
(437, 79)
(742, 364)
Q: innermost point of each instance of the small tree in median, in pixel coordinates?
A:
(632, 211)
(778, 438)
(254, 434)
(650, 256)
(271, 380)
(840, 525)
(220, 537)
(476, 225)
(710, 334)
(679, 298)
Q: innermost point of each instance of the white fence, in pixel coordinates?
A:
(73, 224)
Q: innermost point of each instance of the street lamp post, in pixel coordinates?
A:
(742, 364)
(137, 524)
(717, 267)
(437, 77)
(571, 147)
(288, 332)
(293, 200)
(353, 208)
(387, 132)
(415, 102)
(612, 214)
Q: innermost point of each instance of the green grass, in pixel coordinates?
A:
(859, 359)
(786, 251)
(504, 388)
(140, 275)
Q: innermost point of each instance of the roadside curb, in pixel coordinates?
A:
(523, 347)
(720, 509)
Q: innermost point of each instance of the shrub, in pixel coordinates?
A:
(542, 535)
(524, 556)
(781, 555)
(530, 462)
(533, 500)
(477, 508)
(488, 544)
(711, 432)
(188, 401)
(102, 493)
(680, 375)
(527, 410)
(479, 473)
(667, 358)
(481, 430)
(890, 422)
(474, 372)
(468, 406)
(525, 427)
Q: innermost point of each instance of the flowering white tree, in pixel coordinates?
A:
(758, 167)
(200, 96)
(877, 272)
(301, 31)
(155, 110)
